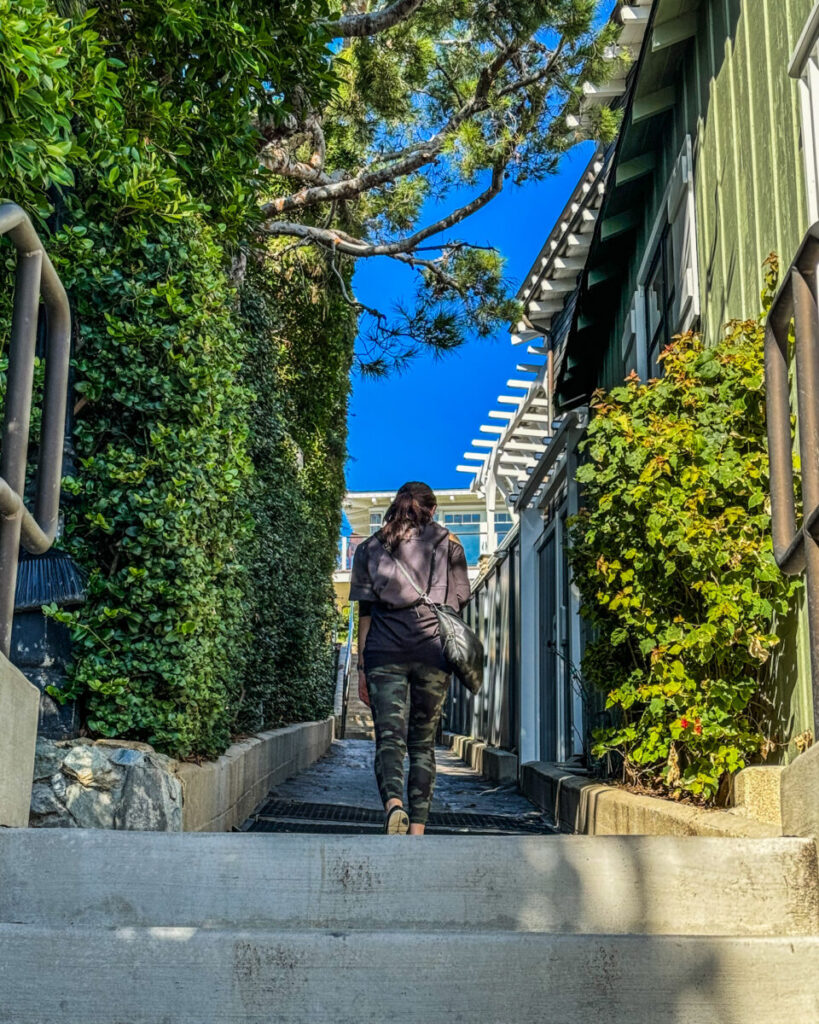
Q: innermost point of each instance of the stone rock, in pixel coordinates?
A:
(91, 768)
(46, 810)
(106, 784)
(59, 785)
(47, 759)
(125, 745)
(151, 799)
(126, 757)
(90, 807)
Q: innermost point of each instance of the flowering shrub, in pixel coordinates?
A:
(673, 558)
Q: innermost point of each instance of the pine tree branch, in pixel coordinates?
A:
(352, 246)
(537, 76)
(358, 26)
(412, 159)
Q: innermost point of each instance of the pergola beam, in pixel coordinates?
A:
(522, 446)
(538, 307)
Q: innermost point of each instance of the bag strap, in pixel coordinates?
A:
(424, 595)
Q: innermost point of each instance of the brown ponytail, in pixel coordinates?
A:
(412, 509)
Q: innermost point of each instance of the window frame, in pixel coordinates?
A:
(672, 239)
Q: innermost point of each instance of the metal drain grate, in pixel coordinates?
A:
(295, 816)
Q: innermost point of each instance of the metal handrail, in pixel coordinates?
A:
(35, 279)
(348, 662)
(796, 545)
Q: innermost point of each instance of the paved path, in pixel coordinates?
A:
(345, 776)
(338, 793)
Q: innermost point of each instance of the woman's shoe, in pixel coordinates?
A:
(397, 822)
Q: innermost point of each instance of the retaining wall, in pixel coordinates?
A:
(494, 764)
(117, 784)
(582, 805)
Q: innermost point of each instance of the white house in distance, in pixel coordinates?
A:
(468, 513)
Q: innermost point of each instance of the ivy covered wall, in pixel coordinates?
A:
(210, 379)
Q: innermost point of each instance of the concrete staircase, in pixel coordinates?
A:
(132, 928)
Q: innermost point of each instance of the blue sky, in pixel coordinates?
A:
(417, 425)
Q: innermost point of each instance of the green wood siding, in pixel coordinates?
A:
(751, 201)
(741, 108)
(749, 172)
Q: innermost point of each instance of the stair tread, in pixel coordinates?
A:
(192, 976)
(522, 883)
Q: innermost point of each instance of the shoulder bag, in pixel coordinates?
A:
(463, 650)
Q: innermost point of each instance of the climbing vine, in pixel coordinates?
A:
(672, 555)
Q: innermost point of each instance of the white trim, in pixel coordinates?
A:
(806, 44)
(576, 651)
(805, 66)
(529, 739)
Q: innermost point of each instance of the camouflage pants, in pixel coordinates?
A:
(390, 688)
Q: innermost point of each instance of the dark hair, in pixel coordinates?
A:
(412, 509)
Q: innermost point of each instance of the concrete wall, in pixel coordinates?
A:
(219, 794)
(799, 795)
(19, 711)
(582, 805)
(494, 764)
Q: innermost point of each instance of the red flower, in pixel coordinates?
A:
(698, 727)
(684, 723)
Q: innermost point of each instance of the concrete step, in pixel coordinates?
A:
(571, 884)
(193, 976)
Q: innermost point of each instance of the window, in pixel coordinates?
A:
(467, 528)
(629, 343)
(667, 298)
(503, 524)
(660, 293)
(376, 521)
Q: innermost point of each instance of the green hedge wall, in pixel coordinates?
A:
(210, 410)
(299, 361)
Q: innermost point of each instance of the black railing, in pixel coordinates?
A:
(793, 330)
(35, 280)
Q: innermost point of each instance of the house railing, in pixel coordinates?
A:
(35, 280)
(793, 330)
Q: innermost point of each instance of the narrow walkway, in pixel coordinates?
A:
(338, 794)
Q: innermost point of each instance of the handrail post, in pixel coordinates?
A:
(796, 545)
(36, 279)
